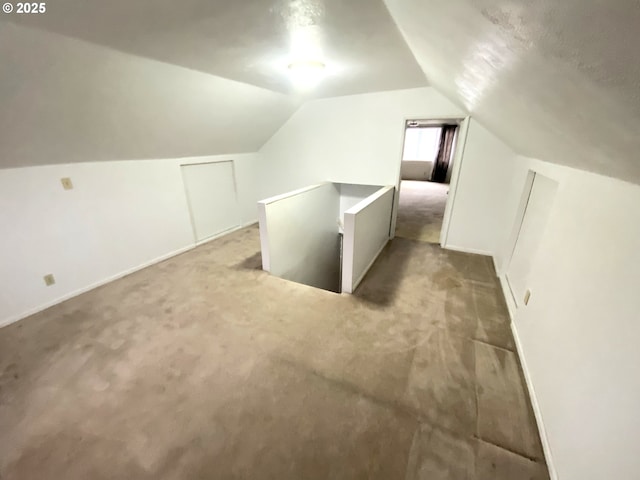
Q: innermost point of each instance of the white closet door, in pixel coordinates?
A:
(527, 244)
(212, 198)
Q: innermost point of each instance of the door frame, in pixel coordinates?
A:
(458, 157)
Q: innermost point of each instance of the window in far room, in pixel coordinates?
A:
(421, 143)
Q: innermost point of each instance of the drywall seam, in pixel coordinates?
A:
(117, 276)
(534, 404)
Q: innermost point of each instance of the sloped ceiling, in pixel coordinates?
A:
(559, 81)
(250, 41)
(65, 101)
(93, 79)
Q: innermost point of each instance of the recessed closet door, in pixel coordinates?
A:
(213, 202)
(534, 221)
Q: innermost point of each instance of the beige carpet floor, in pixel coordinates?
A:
(205, 367)
(420, 210)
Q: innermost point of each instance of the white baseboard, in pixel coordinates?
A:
(468, 250)
(226, 232)
(511, 306)
(506, 290)
(7, 321)
(80, 291)
(495, 266)
(508, 296)
(553, 475)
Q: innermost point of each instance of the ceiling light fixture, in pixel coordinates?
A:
(306, 74)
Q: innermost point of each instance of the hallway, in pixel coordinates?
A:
(204, 366)
(421, 210)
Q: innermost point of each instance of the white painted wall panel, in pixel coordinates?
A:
(531, 231)
(359, 139)
(351, 139)
(119, 217)
(211, 193)
(480, 206)
(366, 232)
(578, 336)
(351, 195)
(299, 236)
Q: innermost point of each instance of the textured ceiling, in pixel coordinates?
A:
(251, 41)
(555, 80)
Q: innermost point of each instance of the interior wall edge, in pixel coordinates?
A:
(454, 99)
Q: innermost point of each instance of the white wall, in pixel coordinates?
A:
(359, 139)
(299, 236)
(89, 110)
(351, 139)
(118, 217)
(352, 194)
(212, 198)
(366, 232)
(579, 334)
(481, 208)
(416, 170)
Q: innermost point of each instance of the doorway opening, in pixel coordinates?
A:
(425, 176)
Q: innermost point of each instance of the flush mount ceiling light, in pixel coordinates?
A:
(306, 74)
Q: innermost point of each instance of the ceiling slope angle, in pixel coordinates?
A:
(559, 81)
(65, 101)
(250, 41)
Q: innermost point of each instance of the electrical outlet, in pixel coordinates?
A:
(49, 280)
(66, 183)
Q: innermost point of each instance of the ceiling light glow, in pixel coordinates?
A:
(306, 74)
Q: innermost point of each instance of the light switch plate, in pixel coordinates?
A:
(66, 183)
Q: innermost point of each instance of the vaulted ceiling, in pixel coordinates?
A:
(555, 80)
(249, 41)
